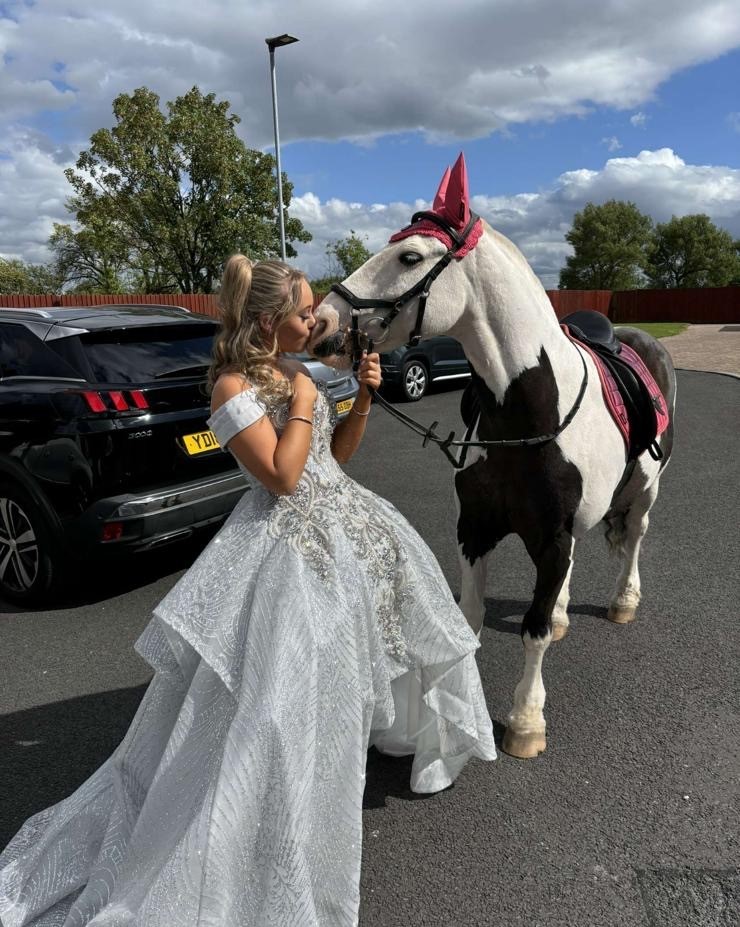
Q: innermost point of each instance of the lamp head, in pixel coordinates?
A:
(278, 40)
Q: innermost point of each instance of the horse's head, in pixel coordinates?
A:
(401, 293)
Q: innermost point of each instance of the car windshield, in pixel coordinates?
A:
(149, 353)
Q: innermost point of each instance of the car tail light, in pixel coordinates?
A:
(112, 531)
(119, 403)
(138, 399)
(94, 402)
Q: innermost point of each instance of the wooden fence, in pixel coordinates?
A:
(711, 304)
(718, 305)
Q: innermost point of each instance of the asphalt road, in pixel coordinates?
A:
(631, 816)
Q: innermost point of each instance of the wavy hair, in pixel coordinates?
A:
(242, 346)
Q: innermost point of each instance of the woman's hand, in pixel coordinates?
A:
(304, 388)
(368, 373)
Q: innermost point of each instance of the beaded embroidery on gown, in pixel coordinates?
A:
(311, 626)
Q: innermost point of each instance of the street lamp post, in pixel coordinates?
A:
(272, 44)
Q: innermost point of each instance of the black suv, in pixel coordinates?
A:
(409, 371)
(103, 437)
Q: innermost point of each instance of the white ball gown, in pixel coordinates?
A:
(311, 626)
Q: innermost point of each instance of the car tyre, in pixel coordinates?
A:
(29, 556)
(414, 380)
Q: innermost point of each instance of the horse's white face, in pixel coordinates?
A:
(388, 275)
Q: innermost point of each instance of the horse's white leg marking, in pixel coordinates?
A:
(560, 620)
(626, 598)
(525, 734)
(472, 591)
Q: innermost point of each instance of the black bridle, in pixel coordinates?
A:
(420, 289)
(362, 342)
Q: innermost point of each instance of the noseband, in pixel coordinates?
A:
(360, 339)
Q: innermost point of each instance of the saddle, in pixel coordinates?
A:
(630, 392)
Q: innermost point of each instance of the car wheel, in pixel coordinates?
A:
(27, 549)
(414, 380)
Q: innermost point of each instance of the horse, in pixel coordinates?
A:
(545, 458)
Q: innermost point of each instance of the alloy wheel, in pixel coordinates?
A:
(415, 381)
(19, 549)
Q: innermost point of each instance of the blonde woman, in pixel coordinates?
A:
(315, 623)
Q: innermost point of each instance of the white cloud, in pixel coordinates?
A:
(638, 120)
(33, 191)
(360, 70)
(612, 143)
(659, 182)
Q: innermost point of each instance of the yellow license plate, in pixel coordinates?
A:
(200, 442)
(345, 405)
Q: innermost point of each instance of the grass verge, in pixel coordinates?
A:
(659, 329)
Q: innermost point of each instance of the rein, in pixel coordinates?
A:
(361, 341)
(444, 444)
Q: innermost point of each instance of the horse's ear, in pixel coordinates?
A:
(457, 205)
(439, 199)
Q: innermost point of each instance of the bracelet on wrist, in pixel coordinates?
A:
(298, 418)
(361, 414)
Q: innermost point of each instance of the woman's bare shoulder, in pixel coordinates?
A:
(226, 387)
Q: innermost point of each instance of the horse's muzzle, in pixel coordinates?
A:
(332, 346)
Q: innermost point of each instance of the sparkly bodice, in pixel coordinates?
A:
(324, 502)
(247, 407)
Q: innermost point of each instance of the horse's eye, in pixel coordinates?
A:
(409, 258)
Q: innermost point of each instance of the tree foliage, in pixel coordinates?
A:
(19, 277)
(93, 260)
(172, 195)
(691, 251)
(610, 244)
(343, 257)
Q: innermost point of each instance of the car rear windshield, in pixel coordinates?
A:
(146, 354)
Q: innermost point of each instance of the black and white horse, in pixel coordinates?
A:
(455, 275)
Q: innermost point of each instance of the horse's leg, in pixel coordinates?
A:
(560, 620)
(627, 540)
(473, 588)
(525, 734)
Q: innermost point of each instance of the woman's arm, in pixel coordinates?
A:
(348, 434)
(278, 463)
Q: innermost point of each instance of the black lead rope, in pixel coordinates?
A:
(444, 444)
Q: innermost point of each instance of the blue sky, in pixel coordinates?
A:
(555, 103)
(688, 113)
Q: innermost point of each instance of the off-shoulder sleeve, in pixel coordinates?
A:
(235, 415)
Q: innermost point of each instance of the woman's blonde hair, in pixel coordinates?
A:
(242, 346)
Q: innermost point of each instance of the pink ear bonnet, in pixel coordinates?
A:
(451, 203)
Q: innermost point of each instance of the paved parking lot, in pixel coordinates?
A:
(631, 817)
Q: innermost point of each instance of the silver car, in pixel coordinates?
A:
(341, 384)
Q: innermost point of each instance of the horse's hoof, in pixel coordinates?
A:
(523, 746)
(559, 631)
(622, 614)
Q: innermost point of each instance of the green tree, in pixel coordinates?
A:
(343, 257)
(93, 260)
(610, 244)
(19, 277)
(691, 251)
(181, 188)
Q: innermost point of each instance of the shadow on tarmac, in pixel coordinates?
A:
(48, 751)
